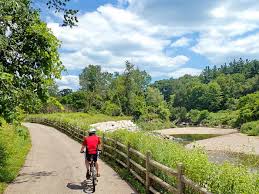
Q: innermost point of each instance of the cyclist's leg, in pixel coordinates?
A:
(87, 165)
(95, 157)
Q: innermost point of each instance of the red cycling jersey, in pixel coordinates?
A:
(91, 143)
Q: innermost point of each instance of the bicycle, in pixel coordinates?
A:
(93, 174)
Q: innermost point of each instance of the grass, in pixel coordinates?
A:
(2, 187)
(225, 178)
(156, 125)
(15, 144)
(82, 120)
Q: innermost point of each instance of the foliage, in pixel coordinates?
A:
(154, 125)
(52, 105)
(29, 58)
(82, 120)
(70, 18)
(111, 109)
(249, 108)
(224, 178)
(14, 144)
(250, 128)
(222, 118)
(196, 116)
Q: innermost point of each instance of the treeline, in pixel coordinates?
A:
(128, 93)
(192, 99)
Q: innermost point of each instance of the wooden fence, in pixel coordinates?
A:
(113, 148)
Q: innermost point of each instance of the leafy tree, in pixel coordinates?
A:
(76, 101)
(29, 56)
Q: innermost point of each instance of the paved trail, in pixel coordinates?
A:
(55, 166)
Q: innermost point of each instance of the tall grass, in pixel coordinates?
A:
(14, 146)
(82, 120)
(220, 179)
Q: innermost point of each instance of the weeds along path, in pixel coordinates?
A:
(54, 165)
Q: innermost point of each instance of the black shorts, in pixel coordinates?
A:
(88, 157)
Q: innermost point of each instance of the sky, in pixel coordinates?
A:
(166, 38)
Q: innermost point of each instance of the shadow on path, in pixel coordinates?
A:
(86, 186)
(33, 176)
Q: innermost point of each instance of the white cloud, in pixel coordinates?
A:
(68, 81)
(181, 42)
(223, 48)
(185, 71)
(220, 25)
(110, 35)
(221, 30)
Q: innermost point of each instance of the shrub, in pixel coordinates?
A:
(222, 118)
(249, 108)
(111, 109)
(178, 113)
(250, 128)
(226, 178)
(196, 116)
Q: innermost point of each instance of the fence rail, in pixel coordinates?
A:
(112, 148)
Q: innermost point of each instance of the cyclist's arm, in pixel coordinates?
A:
(99, 147)
(83, 145)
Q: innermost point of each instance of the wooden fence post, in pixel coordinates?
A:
(148, 157)
(128, 156)
(180, 184)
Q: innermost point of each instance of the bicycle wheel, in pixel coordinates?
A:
(93, 176)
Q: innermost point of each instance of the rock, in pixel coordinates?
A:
(115, 125)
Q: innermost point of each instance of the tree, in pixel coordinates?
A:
(135, 84)
(58, 6)
(92, 79)
(29, 57)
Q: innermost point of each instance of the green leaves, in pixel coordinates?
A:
(29, 58)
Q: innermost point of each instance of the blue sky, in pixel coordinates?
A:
(167, 38)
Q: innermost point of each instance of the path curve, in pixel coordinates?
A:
(54, 165)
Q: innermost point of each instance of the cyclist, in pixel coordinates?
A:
(92, 144)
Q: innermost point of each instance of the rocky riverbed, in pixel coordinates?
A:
(115, 125)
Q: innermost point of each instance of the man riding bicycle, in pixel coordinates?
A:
(92, 144)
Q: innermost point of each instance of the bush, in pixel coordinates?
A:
(179, 114)
(196, 116)
(222, 118)
(249, 108)
(250, 128)
(111, 109)
(226, 178)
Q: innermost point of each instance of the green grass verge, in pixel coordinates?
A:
(225, 178)
(82, 120)
(14, 145)
(2, 187)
